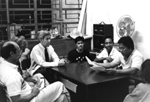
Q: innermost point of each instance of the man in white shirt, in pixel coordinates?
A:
(18, 89)
(130, 59)
(109, 53)
(39, 58)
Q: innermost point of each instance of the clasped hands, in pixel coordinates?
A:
(62, 62)
(27, 76)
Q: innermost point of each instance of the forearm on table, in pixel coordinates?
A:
(107, 65)
(128, 71)
(49, 64)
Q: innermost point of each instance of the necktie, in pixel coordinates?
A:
(46, 55)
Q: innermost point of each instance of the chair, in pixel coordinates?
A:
(26, 63)
(3, 93)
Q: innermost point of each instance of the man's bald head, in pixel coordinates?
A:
(8, 47)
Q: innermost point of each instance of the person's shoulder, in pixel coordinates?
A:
(72, 51)
(138, 53)
(50, 47)
(36, 46)
(85, 50)
(8, 73)
(143, 86)
(116, 50)
(103, 50)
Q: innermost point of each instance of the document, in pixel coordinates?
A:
(90, 62)
(94, 65)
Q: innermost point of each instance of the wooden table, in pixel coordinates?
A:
(87, 85)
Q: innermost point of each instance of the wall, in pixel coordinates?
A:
(110, 11)
(69, 13)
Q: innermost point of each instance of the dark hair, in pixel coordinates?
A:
(79, 38)
(21, 42)
(126, 41)
(145, 71)
(108, 37)
(6, 49)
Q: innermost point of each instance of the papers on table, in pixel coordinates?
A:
(94, 65)
(90, 62)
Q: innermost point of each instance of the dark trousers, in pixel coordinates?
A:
(47, 73)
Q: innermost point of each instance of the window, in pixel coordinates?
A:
(22, 17)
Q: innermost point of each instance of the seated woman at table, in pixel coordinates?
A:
(142, 91)
(78, 54)
(130, 59)
(109, 53)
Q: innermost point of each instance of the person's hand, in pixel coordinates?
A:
(111, 71)
(62, 62)
(26, 74)
(33, 80)
(38, 84)
(35, 91)
(109, 59)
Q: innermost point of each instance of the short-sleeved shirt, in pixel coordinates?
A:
(134, 61)
(12, 79)
(74, 56)
(114, 54)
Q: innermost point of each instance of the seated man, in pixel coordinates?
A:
(109, 53)
(31, 79)
(43, 55)
(18, 89)
(129, 61)
(78, 54)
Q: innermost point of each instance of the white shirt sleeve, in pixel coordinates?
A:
(13, 85)
(102, 54)
(136, 62)
(37, 56)
(117, 59)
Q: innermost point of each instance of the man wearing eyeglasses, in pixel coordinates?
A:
(130, 59)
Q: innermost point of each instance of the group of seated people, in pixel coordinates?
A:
(30, 85)
(36, 84)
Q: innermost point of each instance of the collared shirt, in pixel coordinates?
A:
(134, 61)
(12, 79)
(114, 54)
(37, 56)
